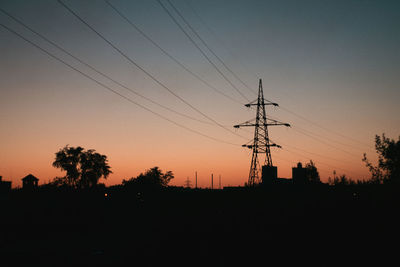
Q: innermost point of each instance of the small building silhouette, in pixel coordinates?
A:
(5, 186)
(299, 174)
(30, 182)
(269, 174)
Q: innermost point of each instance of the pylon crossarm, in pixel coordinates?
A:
(263, 124)
(275, 122)
(245, 124)
(253, 103)
(271, 103)
(262, 146)
(274, 144)
(263, 104)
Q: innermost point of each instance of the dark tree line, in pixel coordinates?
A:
(84, 169)
(152, 178)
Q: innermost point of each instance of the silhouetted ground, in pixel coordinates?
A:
(281, 225)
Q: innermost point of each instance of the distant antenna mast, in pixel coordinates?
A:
(261, 142)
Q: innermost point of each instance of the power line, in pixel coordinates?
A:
(327, 144)
(294, 162)
(323, 163)
(304, 132)
(324, 128)
(309, 152)
(297, 128)
(327, 130)
(303, 156)
(168, 54)
(287, 110)
(303, 150)
(145, 71)
(234, 56)
(254, 176)
(315, 137)
(312, 135)
(267, 100)
(201, 51)
(99, 72)
(354, 140)
(112, 90)
(207, 46)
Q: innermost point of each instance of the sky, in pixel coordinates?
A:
(332, 66)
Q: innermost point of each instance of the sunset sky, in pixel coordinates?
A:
(333, 67)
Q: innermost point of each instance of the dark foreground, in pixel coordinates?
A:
(278, 226)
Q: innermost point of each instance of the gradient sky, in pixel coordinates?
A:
(334, 63)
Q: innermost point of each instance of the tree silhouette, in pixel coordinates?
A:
(312, 174)
(153, 177)
(388, 168)
(342, 180)
(84, 168)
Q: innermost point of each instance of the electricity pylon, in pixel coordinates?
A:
(188, 184)
(261, 143)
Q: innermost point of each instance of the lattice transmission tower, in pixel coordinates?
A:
(188, 183)
(261, 143)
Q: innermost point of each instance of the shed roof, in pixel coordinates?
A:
(30, 177)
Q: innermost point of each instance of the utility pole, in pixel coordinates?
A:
(212, 181)
(196, 178)
(261, 143)
(220, 181)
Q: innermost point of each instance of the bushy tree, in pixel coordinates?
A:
(312, 174)
(84, 168)
(388, 168)
(153, 177)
